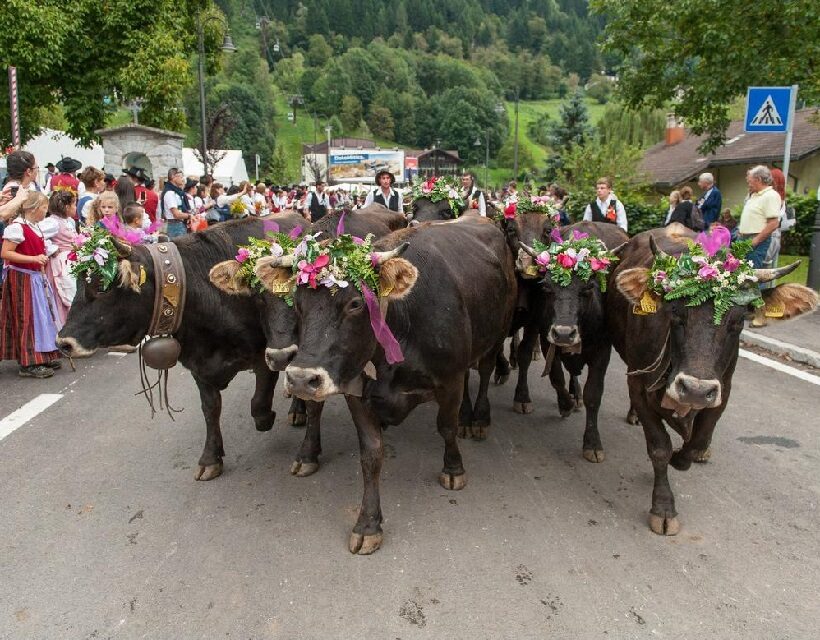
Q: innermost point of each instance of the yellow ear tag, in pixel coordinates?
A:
(385, 292)
(142, 275)
(775, 310)
(532, 270)
(646, 306)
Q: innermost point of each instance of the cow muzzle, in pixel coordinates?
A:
(279, 359)
(696, 393)
(309, 383)
(70, 347)
(562, 335)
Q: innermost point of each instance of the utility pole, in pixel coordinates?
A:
(487, 159)
(515, 139)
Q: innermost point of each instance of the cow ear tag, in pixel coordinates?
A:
(532, 270)
(646, 306)
(143, 276)
(775, 310)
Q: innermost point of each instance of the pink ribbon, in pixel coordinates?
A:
(385, 337)
(295, 233)
(116, 228)
(719, 236)
(340, 228)
(270, 226)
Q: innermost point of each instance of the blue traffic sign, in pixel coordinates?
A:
(768, 109)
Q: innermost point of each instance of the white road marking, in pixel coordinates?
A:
(117, 354)
(779, 366)
(28, 411)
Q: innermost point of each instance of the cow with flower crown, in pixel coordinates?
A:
(675, 313)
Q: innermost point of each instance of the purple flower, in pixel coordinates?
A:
(660, 276)
(555, 235)
(542, 260)
(731, 263)
(242, 254)
(579, 235)
(295, 233)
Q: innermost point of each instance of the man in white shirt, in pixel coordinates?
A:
(606, 207)
(761, 213)
(384, 193)
(317, 203)
(472, 195)
(174, 206)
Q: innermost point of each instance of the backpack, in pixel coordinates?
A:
(696, 218)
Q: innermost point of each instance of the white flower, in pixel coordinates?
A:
(583, 254)
(276, 250)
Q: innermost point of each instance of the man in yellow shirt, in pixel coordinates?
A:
(761, 213)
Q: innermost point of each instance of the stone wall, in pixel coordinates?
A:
(162, 148)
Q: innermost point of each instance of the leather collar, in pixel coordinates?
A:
(169, 290)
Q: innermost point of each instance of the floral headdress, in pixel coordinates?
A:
(712, 269)
(94, 253)
(533, 204)
(580, 255)
(437, 189)
(273, 244)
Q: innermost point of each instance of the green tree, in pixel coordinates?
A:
(702, 55)
(336, 126)
(538, 129)
(351, 113)
(572, 128)
(599, 88)
(318, 51)
(278, 167)
(641, 128)
(583, 165)
(380, 122)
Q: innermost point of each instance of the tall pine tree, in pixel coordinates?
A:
(573, 126)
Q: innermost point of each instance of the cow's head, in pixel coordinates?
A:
(425, 210)
(336, 338)
(277, 318)
(700, 352)
(116, 315)
(525, 229)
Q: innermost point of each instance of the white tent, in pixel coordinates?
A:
(230, 170)
(52, 145)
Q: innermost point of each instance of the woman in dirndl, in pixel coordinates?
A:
(28, 331)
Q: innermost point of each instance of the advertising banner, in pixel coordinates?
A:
(362, 165)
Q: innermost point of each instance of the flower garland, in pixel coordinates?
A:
(437, 189)
(720, 273)
(94, 253)
(534, 204)
(273, 244)
(335, 264)
(581, 255)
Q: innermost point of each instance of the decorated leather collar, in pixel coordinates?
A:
(161, 350)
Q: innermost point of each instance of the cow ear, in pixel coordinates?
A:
(274, 277)
(396, 278)
(130, 275)
(225, 277)
(632, 283)
(788, 301)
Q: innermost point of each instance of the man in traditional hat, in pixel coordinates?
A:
(51, 171)
(384, 193)
(66, 180)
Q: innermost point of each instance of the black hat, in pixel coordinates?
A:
(382, 173)
(190, 183)
(69, 165)
(50, 165)
(109, 177)
(132, 171)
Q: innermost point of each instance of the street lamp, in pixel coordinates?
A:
(228, 47)
(477, 143)
(515, 139)
(435, 157)
(328, 131)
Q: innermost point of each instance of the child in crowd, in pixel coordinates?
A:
(134, 216)
(59, 230)
(106, 204)
(27, 328)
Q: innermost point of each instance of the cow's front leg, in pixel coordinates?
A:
(521, 401)
(593, 449)
(307, 460)
(262, 402)
(366, 536)
(448, 397)
(698, 448)
(663, 518)
(558, 382)
(210, 462)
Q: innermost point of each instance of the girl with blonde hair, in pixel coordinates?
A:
(105, 204)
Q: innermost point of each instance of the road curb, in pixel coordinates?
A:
(798, 354)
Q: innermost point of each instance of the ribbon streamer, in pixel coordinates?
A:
(384, 336)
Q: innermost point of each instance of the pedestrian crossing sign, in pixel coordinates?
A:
(768, 109)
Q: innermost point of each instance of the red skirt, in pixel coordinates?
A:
(17, 323)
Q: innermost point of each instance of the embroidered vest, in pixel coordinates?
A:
(392, 203)
(604, 216)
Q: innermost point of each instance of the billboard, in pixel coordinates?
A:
(361, 165)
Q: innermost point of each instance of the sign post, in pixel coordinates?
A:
(14, 108)
(771, 110)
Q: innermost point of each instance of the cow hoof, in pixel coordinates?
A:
(451, 482)
(565, 413)
(594, 455)
(464, 431)
(664, 526)
(208, 472)
(265, 423)
(632, 418)
(301, 469)
(480, 432)
(501, 379)
(522, 407)
(703, 456)
(364, 545)
(297, 419)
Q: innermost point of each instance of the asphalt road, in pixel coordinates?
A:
(105, 534)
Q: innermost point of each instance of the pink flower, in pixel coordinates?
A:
(555, 235)
(72, 255)
(309, 271)
(731, 263)
(660, 276)
(81, 239)
(707, 272)
(599, 264)
(565, 260)
(242, 254)
(509, 211)
(542, 260)
(426, 188)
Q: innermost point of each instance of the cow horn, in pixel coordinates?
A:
(528, 249)
(285, 261)
(656, 251)
(617, 251)
(123, 248)
(384, 256)
(767, 275)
